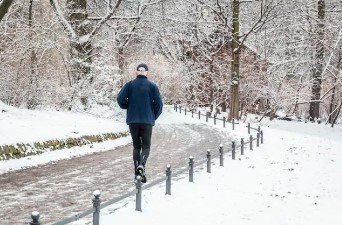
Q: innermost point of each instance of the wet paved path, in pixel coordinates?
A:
(64, 188)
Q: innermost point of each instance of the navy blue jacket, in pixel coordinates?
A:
(142, 100)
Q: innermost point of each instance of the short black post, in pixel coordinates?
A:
(180, 109)
(249, 128)
(258, 137)
(199, 115)
(138, 194)
(176, 107)
(221, 155)
(208, 161)
(35, 218)
(191, 169)
(233, 124)
(168, 179)
(250, 142)
(262, 137)
(224, 122)
(233, 150)
(215, 119)
(192, 113)
(96, 206)
(206, 117)
(185, 111)
(242, 146)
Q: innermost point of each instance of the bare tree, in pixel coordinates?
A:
(318, 67)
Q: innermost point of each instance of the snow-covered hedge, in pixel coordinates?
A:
(21, 150)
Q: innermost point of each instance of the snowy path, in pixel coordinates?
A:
(64, 188)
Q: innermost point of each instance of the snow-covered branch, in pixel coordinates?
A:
(72, 34)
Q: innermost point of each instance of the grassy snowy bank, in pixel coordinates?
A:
(30, 132)
(16, 151)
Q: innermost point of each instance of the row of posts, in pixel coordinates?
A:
(259, 131)
(206, 116)
(96, 200)
(96, 213)
(259, 140)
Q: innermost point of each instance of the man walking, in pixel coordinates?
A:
(142, 100)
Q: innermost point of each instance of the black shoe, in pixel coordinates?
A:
(141, 172)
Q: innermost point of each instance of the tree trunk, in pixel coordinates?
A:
(235, 63)
(80, 51)
(296, 107)
(333, 104)
(80, 48)
(4, 7)
(337, 115)
(319, 61)
(331, 107)
(224, 106)
(211, 87)
(33, 82)
(121, 63)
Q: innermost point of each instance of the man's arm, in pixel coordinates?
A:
(123, 97)
(157, 103)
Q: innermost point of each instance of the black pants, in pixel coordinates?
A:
(141, 135)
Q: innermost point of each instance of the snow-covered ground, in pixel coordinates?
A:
(27, 126)
(294, 178)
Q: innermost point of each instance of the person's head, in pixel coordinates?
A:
(142, 69)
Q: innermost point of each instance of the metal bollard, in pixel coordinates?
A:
(199, 115)
(96, 205)
(233, 124)
(224, 122)
(250, 142)
(180, 109)
(138, 194)
(168, 179)
(233, 150)
(206, 117)
(214, 119)
(192, 113)
(249, 128)
(208, 161)
(242, 146)
(176, 107)
(184, 111)
(262, 137)
(221, 155)
(191, 169)
(35, 218)
(258, 137)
